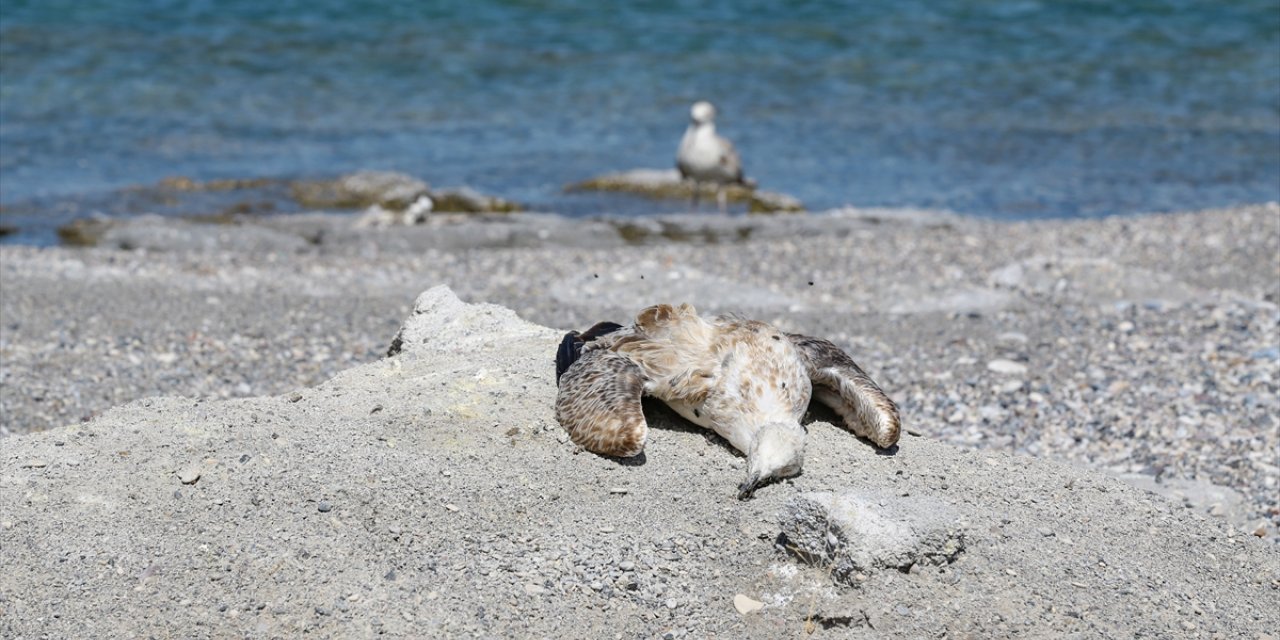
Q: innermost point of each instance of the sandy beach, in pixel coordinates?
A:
(1143, 348)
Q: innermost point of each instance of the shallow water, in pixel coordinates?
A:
(1014, 109)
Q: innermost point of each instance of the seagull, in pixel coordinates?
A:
(743, 379)
(705, 156)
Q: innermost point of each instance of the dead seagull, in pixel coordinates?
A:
(743, 379)
(705, 156)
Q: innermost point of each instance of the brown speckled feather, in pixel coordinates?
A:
(599, 404)
(841, 384)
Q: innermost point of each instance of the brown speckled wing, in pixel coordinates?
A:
(599, 404)
(841, 384)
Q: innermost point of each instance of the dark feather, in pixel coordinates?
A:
(568, 353)
(571, 346)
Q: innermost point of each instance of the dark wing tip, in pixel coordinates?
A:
(571, 345)
(600, 329)
(568, 353)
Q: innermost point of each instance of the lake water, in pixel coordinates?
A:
(1010, 109)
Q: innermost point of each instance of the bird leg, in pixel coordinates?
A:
(697, 191)
(722, 199)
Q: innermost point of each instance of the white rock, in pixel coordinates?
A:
(745, 604)
(1007, 367)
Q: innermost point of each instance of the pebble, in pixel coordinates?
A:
(190, 474)
(1007, 367)
(34, 464)
(1012, 337)
(627, 565)
(745, 604)
(534, 590)
(324, 506)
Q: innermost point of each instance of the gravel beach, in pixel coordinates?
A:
(1144, 347)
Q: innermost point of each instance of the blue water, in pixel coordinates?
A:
(1013, 109)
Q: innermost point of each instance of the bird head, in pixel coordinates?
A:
(777, 452)
(702, 112)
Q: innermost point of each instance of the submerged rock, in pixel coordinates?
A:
(667, 184)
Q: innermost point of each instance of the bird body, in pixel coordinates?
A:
(707, 157)
(743, 379)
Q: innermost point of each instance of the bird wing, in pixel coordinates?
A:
(841, 384)
(730, 161)
(599, 403)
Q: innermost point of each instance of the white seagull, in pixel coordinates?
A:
(743, 379)
(705, 156)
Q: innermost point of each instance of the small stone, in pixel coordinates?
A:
(1261, 531)
(1007, 367)
(295, 396)
(606, 529)
(1011, 572)
(627, 565)
(324, 506)
(596, 586)
(618, 490)
(671, 603)
(451, 507)
(745, 604)
(1188, 625)
(1013, 386)
(7, 524)
(534, 590)
(34, 464)
(1012, 337)
(190, 474)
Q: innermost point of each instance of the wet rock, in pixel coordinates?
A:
(388, 189)
(854, 532)
(468, 200)
(667, 184)
(84, 232)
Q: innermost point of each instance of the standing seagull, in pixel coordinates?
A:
(705, 156)
(743, 379)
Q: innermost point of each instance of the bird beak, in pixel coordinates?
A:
(748, 488)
